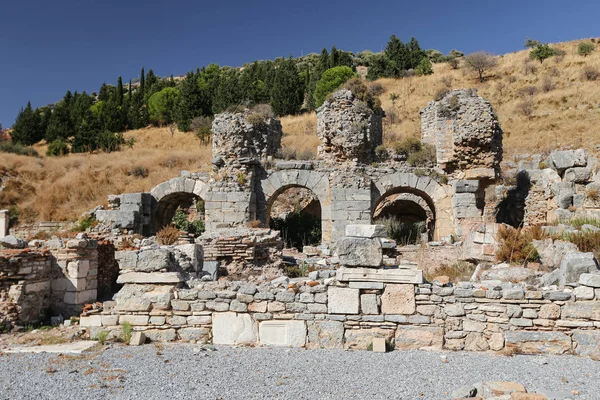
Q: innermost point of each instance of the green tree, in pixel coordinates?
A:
(480, 62)
(287, 93)
(120, 94)
(396, 53)
(60, 125)
(208, 82)
(228, 90)
(189, 105)
(541, 52)
(530, 43)
(585, 48)
(86, 138)
(424, 67)
(414, 54)
(380, 66)
(161, 105)
(27, 127)
(331, 79)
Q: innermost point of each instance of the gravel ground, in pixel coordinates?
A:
(190, 372)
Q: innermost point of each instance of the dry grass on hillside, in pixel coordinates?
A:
(62, 188)
(566, 107)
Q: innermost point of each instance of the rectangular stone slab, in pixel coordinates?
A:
(414, 276)
(152, 277)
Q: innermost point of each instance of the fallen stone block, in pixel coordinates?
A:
(137, 339)
(365, 231)
(359, 252)
(282, 333)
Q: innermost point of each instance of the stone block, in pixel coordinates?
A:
(342, 300)
(466, 186)
(282, 333)
(362, 339)
(578, 175)
(78, 269)
(154, 260)
(367, 285)
(549, 311)
(583, 293)
(573, 265)
(137, 339)
(587, 343)
(365, 231)
(398, 299)
(529, 342)
(231, 328)
(379, 345)
(399, 275)
(89, 321)
(565, 159)
(325, 334)
(150, 277)
(368, 304)
(418, 337)
(582, 310)
(359, 252)
(591, 280)
(201, 335)
(135, 320)
(161, 335)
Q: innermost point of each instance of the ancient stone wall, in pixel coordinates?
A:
(466, 134)
(38, 283)
(321, 312)
(349, 130)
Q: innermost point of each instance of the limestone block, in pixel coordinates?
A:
(582, 310)
(398, 299)
(154, 260)
(466, 186)
(552, 252)
(575, 264)
(161, 335)
(282, 333)
(92, 320)
(419, 337)
(365, 230)
(578, 175)
(359, 252)
(195, 253)
(399, 275)
(137, 339)
(150, 277)
(136, 320)
(587, 343)
(368, 304)
(78, 268)
(362, 339)
(562, 160)
(231, 328)
(379, 345)
(367, 285)
(591, 280)
(342, 300)
(127, 260)
(530, 342)
(583, 293)
(201, 335)
(144, 297)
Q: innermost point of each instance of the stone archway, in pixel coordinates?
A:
(280, 181)
(169, 195)
(419, 197)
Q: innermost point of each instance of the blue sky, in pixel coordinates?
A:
(50, 47)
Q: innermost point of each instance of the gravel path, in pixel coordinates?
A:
(187, 372)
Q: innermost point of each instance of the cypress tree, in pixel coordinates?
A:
(142, 82)
(119, 91)
(287, 93)
(26, 129)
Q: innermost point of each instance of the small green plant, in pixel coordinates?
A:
(102, 337)
(241, 178)
(424, 67)
(126, 331)
(543, 165)
(57, 148)
(404, 233)
(381, 152)
(9, 147)
(85, 223)
(585, 48)
(425, 157)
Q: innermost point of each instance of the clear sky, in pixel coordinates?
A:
(48, 47)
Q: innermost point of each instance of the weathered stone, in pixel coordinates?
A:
(201, 335)
(137, 339)
(152, 277)
(524, 342)
(154, 260)
(342, 300)
(366, 285)
(325, 334)
(578, 175)
(562, 160)
(473, 326)
(359, 252)
(365, 231)
(582, 310)
(399, 275)
(368, 304)
(476, 342)
(362, 339)
(231, 328)
(575, 264)
(282, 333)
(161, 335)
(549, 311)
(552, 252)
(12, 242)
(583, 293)
(592, 280)
(398, 299)
(587, 343)
(418, 337)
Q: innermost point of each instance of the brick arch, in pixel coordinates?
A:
(171, 194)
(433, 194)
(279, 181)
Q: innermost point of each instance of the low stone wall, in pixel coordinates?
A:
(38, 283)
(323, 313)
(251, 245)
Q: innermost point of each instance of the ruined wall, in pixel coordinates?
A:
(465, 131)
(349, 130)
(250, 245)
(320, 312)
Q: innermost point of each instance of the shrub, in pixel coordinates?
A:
(454, 62)
(376, 88)
(592, 194)
(138, 172)
(181, 222)
(585, 48)
(515, 245)
(102, 337)
(402, 232)
(590, 73)
(526, 107)
(381, 152)
(548, 85)
(425, 157)
(109, 141)
(57, 148)
(408, 146)
(542, 52)
(363, 93)
(424, 67)
(202, 128)
(259, 114)
(587, 242)
(85, 223)
(331, 79)
(440, 94)
(16, 148)
(168, 235)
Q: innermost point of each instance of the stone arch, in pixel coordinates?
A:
(423, 191)
(170, 195)
(279, 181)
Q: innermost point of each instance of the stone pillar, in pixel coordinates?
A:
(3, 223)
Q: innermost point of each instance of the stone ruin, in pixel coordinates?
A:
(361, 293)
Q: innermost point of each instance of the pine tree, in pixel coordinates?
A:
(60, 125)
(414, 54)
(119, 91)
(27, 127)
(395, 52)
(189, 104)
(228, 91)
(287, 93)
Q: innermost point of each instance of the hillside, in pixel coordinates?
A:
(566, 112)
